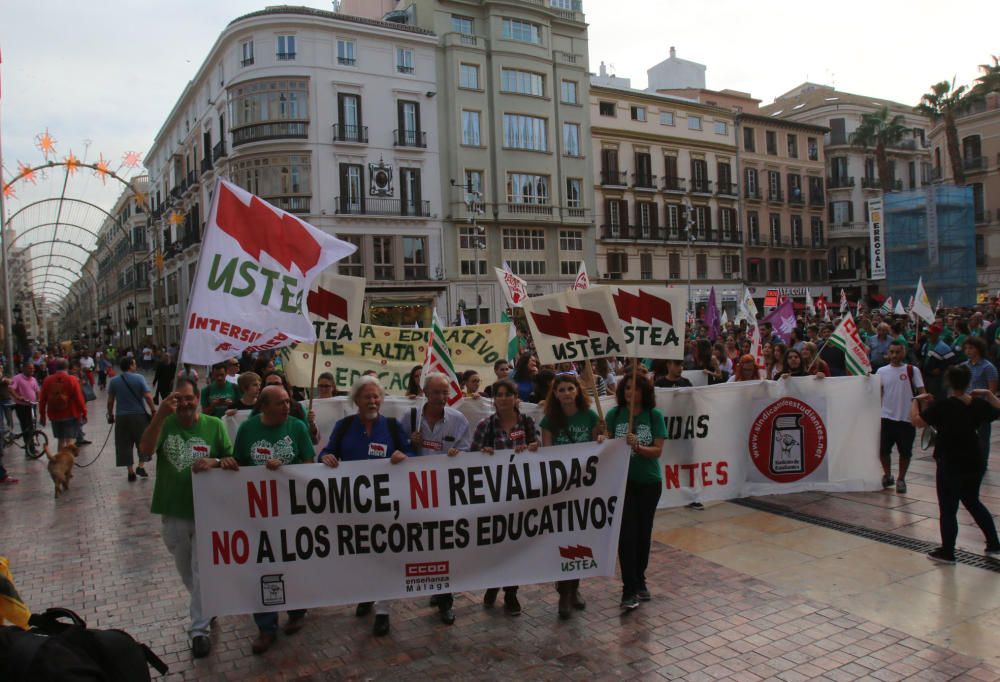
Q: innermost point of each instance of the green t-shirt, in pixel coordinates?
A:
(579, 428)
(176, 449)
(648, 426)
(213, 392)
(288, 441)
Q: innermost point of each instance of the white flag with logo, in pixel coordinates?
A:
(843, 302)
(515, 289)
(335, 303)
(574, 325)
(582, 280)
(922, 304)
(756, 348)
(810, 304)
(748, 309)
(256, 266)
(899, 308)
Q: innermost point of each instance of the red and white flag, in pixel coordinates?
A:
(756, 348)
(843, 302)
(254, 273)
(582, 280)
(335, 303)
(574, 326)
(515, 289)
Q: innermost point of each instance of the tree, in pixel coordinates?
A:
(879, 131)
(945, 103)
(990, 80)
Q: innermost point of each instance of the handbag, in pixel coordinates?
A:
(142, 402)
(88, 391)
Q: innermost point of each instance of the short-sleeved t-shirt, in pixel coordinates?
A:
(648, 426)
(128, 398)
(289, 442)
(579, 428)
(176, 449)
(957, 444)
(213, 392)
(897, 392)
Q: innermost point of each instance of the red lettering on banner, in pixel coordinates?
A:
(705, 473)
(227, 548)
(427, 568)
(258, 498)
(423, 490)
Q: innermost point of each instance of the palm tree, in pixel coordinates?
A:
(944, 103)
(880, 130)
(990, 80)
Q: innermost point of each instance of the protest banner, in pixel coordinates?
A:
(652, 320)
(393, 351)
(310, 535)
(574, 326)
(515, 289)
(334, 304)
(256, 265)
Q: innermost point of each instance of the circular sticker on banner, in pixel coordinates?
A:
(386, 333)
(787, 440)
(328, 363)
(305, 356)
(458, 351)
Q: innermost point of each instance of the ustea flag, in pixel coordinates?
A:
(256, 266)
(651, 319)
(334, 303)
(574, 325)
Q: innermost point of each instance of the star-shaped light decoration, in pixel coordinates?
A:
(140, 198)
(131, 160)
(26, 172)
(45, 143)
(176, 218)
(101, 169)
(72, 163)
(158, 261)
(8, 191)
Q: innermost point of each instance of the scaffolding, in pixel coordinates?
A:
(930, 233)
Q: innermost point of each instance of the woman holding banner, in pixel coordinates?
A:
(505, 429)
(636, 418)
(568, 419)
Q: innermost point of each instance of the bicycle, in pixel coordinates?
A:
(36, 438)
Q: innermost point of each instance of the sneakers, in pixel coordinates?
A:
(643, 594)
(200, 646)
(888, 481)
(141, 472)
(696, 506)
(381, 627)
(83, 441)
(901, 487)
(629, 602)
(942, 556)
(263, 642)
(565, 603)
(511, 606)
(131, 477)
(992, 550)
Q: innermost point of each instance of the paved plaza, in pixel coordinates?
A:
(738, 594)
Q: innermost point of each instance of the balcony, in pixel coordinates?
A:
(615, 232)
(573, 212)
(219, 151)
(614, 178)
(775, 196)
(870, 183)
(644, 182)
(409, 138)
(347, 61)
(795, 197)
(350, 133)
(285, 56)
(272, 130)
(246, 62)
(404, 68)
(383, 206)
(191, 237)
(752, 194)
(727, 189)
(290, 203)
(817, 200)
(701, 186)
(849, 274)
(840, 182)
(518, 208)
(671, 184)
(974, 164)
(191, 180)
(206, 163)
(756, 240)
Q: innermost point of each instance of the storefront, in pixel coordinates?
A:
(400, 308)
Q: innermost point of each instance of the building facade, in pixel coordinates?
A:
(325, 115)
(851, 174)
(979, 142)
(512, 105)
(665, 193)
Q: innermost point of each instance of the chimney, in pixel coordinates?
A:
(604, 70)
(673, 51)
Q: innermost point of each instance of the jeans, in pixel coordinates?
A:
(26, 418)
(958, 485)
(268, 620)
(984, 433)
(636, 534)
(178, 536)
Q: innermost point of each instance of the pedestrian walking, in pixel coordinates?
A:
(900, 383)
(128, 397)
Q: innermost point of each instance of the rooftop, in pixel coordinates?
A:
(810, 96)
(326, 14)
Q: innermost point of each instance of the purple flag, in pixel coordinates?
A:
(782, 320)
(712, 318)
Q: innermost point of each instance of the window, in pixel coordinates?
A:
(980, 250)
(773, 185)
(606, 108)
(281, 175)
(415, 258)
(286, 47)
(674, 262)
(638, 113)
(750, 180)
(522, 82)
(730, 265)
(793, 146)
(666, 118)
(701, 265)
(694, 122)
(777, 270)
(775, 221)
(798, 270)
(816, 228)
(269, 100)
(645, 266)
(797, 231)
(570, 240)
(795, 187)
(617, 265)
(524, 132)
(345, 53)
(523, 188)
(469, 267)
(748, 140)
(569, 267)
(246, 53)
(567, 93)
(725, 172)
(755, 270)
(771, 140)
(460, 24)
(524, 31)
(474, 181)
(409, 191)
(673, 219)
(518, 241)
(349, 111)
(471, 238)
(753, 227)
(574, 192)
(571, 139)
(408, 117)
(352, 196)
(404, 60)
(813, 149)
(468, 76)
(382, 257)
(841, 212)
(470, 128)
(353, 265)
(721, 128)
(727, 221)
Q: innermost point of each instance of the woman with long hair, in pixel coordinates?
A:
(525, 370)
(413, 383)
(745, 370)
(810, 351)
(778, 352)
(706, 362)
(568, 419)
(505, 429)
(645, 481)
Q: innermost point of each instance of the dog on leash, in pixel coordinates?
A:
(61, 467)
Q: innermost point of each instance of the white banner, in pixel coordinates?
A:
(334, 304)
(652, 319)
(876, 238)
(308, 535)
(574, 325)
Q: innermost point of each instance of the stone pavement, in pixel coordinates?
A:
(738, 595)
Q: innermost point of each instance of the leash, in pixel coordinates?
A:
(99, 452)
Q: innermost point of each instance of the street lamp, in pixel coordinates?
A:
(131, 323)
(689, 215)
(474, 205)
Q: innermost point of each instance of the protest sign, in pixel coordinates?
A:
(652, 320)
(574, 326)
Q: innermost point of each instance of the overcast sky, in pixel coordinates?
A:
(109, 71)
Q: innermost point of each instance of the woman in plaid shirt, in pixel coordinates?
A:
(505, 429)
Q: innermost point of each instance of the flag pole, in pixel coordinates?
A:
(588, 376)
(312, 376)
(635, 377)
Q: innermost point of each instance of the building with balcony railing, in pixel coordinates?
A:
(851, 174)
(979, 144)
(347, 143)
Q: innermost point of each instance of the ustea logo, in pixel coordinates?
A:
(576, 558)
(428, 576)
(787, 440)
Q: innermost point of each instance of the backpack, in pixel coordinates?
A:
(338, 436)
(58, 397)
(57, 651)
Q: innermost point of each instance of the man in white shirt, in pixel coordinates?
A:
(900, 382)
